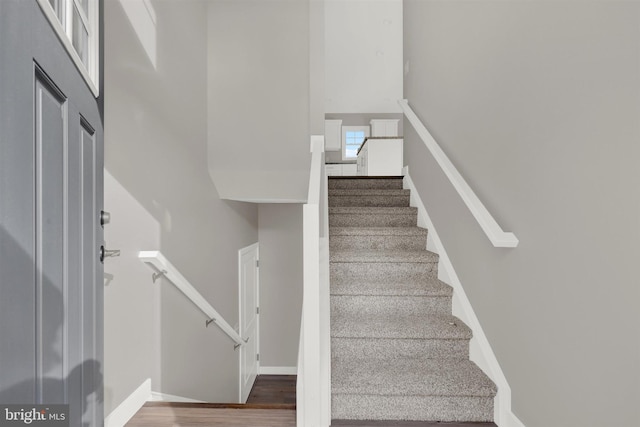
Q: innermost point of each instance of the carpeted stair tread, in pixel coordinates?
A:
(365, 183)
(433, 287)
(410, 377)
(371, 210)
(345, 192)
(368, 256)
(398, 325)
(377, 231)
(436, 409)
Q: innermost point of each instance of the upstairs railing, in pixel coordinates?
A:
(313, 394)
(163, 268)
(497, 236)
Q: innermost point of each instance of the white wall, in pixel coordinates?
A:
(259, 98)
(162, 195)
(363, 56)
(280, 283)
(131, 339)
(537, 104)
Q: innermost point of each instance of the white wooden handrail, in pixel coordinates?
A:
(498, 237)
(163, 268)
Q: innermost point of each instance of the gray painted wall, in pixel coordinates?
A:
(537, 103)
(281, 277)
(259, 98)
(156, 149)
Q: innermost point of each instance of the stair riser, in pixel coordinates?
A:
(391, 349)
(400, 243)
(434, 408)
(373, 220)
(381, 272)
(368, 200)
(382, 305)
(365, 184)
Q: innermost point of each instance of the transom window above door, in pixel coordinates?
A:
(352, 139)
(76, 24)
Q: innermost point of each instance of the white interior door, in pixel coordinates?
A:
(249, 318)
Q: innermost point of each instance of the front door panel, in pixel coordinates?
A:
(51, 161)
(50, 141)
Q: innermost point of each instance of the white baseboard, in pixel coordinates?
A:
(278, 370)
(164, 397)
(513, 421)
(128, 408)
(480, 350)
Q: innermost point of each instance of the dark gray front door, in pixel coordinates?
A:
(51, 163)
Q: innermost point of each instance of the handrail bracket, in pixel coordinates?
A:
(235, 347)
(157, 275)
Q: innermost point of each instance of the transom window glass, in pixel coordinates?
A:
(76, 23)
(352, 139)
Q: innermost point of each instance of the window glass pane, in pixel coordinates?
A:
(352, 152)
(57, 8)
(80, 37)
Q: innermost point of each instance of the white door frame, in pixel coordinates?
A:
(251, 249)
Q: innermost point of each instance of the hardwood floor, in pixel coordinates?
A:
(271, 403)
(279, 389)
(174, 416)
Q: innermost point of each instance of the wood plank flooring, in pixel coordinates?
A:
(279, 389)
(172, 416)
(271, 403)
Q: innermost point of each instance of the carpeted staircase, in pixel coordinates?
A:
(397, 351)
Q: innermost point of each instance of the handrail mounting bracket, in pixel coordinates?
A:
(235, 347)
(159, 274)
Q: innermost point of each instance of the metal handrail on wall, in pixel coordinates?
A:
(163, 268)
(313, 393)
(498, 237)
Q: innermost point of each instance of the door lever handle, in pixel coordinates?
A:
(108, 253)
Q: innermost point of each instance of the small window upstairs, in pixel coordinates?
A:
(352, 139)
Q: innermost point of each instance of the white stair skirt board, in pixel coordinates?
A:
(480, 350)
(128, 408)
(164, 397)
(278, 370)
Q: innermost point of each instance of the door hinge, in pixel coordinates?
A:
(257, 263)
(257, 310)
(258, 357)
